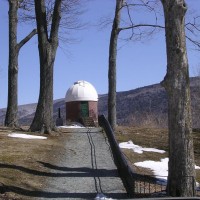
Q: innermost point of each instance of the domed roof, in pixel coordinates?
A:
(81, 91)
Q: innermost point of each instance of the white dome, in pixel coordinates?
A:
(81, 91)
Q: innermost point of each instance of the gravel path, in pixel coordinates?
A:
(86, 171)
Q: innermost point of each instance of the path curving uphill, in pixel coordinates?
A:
(86, 171)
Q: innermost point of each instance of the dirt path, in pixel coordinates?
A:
(87, 169)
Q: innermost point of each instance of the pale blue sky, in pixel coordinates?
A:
(138, 64)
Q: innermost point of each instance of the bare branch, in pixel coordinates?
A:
(193, 26)
(193, 31)
(27, 11)
(104, 22)
(141, 25)
(55, 20)
(195, 42)
(138, 30)
(27, 38)
(40, 11)
(130, 19)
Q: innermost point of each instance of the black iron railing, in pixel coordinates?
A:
(136, 185)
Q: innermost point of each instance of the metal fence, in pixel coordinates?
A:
(137, 185)
(148, 186)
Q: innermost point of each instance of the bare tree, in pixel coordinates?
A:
(47, 46)
(176, 82)
(138, 31)
(112, 117)
(48, 18)
(14, 48)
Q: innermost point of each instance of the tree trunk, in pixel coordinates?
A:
(112, 115)
(12, 106)
(176, 82)
(43, 120)
(11, 118)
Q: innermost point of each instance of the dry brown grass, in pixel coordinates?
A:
(20, 161)
(153, 138)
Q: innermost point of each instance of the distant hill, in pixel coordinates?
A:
(146, 106)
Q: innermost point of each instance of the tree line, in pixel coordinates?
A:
(49, 16)
(181, 167)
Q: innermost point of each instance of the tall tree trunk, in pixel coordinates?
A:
(11, 118)
(12, 106)
(43, 120)
(112, 115)
(176, 83)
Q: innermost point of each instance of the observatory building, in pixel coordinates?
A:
(81, 103)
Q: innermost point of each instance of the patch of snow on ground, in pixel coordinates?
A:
(73, 126)
(197, 167)
(137, 148)
(101, 196)
(26, 136)
(159, 168)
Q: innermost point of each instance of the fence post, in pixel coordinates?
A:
(193, 185)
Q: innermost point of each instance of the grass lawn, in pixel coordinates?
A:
(20, 161)
(151, 138)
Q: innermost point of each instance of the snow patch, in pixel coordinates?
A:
(73, 126)
(137, 148)
(101, 196)
(26, 136)
(159, 168)
(197, 167)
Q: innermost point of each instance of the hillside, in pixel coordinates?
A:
(146, 106)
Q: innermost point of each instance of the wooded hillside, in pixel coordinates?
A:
(146, 106)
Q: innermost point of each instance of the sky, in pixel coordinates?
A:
(138, 63)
